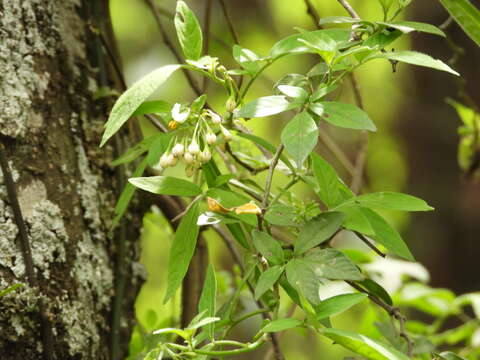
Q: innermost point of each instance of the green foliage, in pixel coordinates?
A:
(287, 241)
(466, 15)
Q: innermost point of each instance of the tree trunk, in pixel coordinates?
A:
(50, 128)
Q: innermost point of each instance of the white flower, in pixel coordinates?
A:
(178, 115)
(226, 134)
(188, 158)
(216, 119)
(165, 161)
(210, 138)
(178, 150)
(205, 155)
(193, 148)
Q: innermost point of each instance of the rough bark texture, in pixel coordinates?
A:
(50, 126)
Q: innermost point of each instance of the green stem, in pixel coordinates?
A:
(284, 190)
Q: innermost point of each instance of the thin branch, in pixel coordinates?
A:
(313, 13)
(229, 22)
(392, 311)
(337, 152)
(230, 246)
(346, 5)
(240, 162)
(46, 326)
(206, 35)
(172, 48)
(360, 160)
(369, 244)
(268, 183)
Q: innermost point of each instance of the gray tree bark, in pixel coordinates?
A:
(50, 128)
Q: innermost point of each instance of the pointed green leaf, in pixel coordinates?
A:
(363, 345)
(135, 151)
(266, 106)
(386, 235)
(302, 277)
(182, 250)
(332, 190)
(448, 355)
(154, 107)
(300, 137)
(281, 215)
(267, 279)
(409, 26)
(419, 59)
(166, 185)
(466, 15)
(337, 304)
(376, 289)
(189, 32)
(10, 289)
(281, 325)
(133, 97)
(208, 296)
(393, 201)
(268, 247)
(333, 264)
(343, 115)
(246, 58)
(318, 230)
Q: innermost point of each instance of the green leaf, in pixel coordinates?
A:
(189, 32)
(420, 59)
(281, 215)
(292, 45)
(268, 247)
(182, 250)
(281, 325)
(363, 345)
(318, 230)
(267, 279)
(300, 136)
(266, 106)
(166, 185)
(333, 264)
(207, 299)
(393, 201)
(264, 143)
(126, 195)
(376, 289)
(337, 304)
(302, 277)
(154, 107)
(409, 26)
(246, 58)
(182, 333)
(158, 148)
(294, 92)
(332, 191)
(133, 97)
(386, 235)
(466, 15)
(382, 39)
(135, 151)
(448, 355)
(343, 115)
(10, 289)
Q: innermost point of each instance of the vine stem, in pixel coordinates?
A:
(313, 13)
(46, 326)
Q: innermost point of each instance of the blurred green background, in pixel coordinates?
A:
(414, 150)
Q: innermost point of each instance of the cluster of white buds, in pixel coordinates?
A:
(196, 132)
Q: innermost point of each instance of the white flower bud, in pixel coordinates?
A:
(216, 119)
(178, 150)
(226, 134)
(188, 158)
(205, 155)
(172, 160)
(193, 148)
(165, 161)
(211, 138)
(231, 104)
(178, 115)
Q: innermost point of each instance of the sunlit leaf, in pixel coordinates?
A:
(337, 304)
(189, 32)
(343, 115)
(266, 106)
(208, 297)
(392, 201)
(133, 97)
(420, 59)
(466, 15)
(166, 185)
